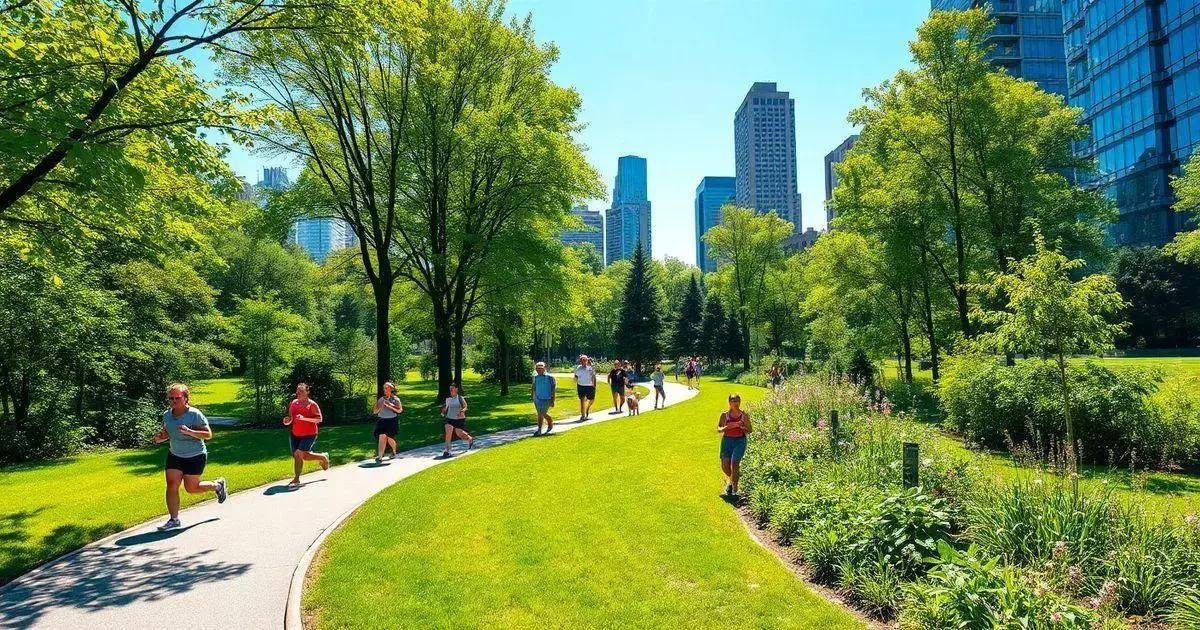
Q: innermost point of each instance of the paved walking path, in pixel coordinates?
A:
(232, 565)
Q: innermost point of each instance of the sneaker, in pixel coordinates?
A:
(729, 489)
(537, 433)
(445, 454)
(172, 523)
(222, 492)
(470, 444)
(378, 460)
(549, 429)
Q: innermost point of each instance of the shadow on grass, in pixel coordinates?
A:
(19, 551)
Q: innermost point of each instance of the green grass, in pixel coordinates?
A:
(615, 525)
(52, 507)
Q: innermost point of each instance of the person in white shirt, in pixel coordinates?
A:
(585, 385)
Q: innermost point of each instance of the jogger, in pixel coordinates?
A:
(186, 428)
(304, 417)
(544, 391)
(388, 409)
(454, 413)
(733, 426)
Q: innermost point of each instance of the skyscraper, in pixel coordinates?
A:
(592, 232)
(711, 194)
(1027, 40)
(834, 158)
(628, 221)
(318, 237)
(764, 143)
(1134, 68)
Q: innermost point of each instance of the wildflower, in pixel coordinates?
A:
(821, 423)
(1060, 549)
(1056, 617)
(1192, 520)
(793, 436)
(1074, 575)
(926, 462)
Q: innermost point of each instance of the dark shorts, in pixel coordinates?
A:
(733, 448)
(304, 443)
(457, 423)
(189, 465)
(690, 374)
(586, 391)
(387, 426)
(659, 389)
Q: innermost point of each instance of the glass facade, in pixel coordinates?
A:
(1134, 67)
(711, 194)
(628, 220)
(831, 160)
(592, 232)
(1027, 40)
(764, 137)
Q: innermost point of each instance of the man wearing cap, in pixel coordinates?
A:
(543, 391)
(585, 385)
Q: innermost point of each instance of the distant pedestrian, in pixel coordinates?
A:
(304, 417)
(616, 383)
(733, 426)
(186, 428)
(585, 385)
(454, 413)
(776, 375)
(387, 410)
(544, 391)
(659, 393)
(691, 370)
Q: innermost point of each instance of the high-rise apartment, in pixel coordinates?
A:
(317, 237)
(628, 221)
(592, 232)
(832, 159)
(1134, 68)
(1027, 40)
(711, 194)
(764, 139)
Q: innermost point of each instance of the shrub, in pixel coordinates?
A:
(874, 586)
(132, 424)
(901, 531)
(428, 367)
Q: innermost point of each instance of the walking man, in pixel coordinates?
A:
(659, 391)
(544, 393)
(304, 416)
(585, 385)
(186, 429)
(616, 383)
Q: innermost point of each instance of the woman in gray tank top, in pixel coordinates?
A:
(454, 416)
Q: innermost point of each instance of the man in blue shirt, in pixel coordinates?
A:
(543, 391)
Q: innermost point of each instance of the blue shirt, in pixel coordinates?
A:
(543, 386)
(185, 445)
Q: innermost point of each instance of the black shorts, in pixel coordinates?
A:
(659, 389)
(302, 443)
(457, 423)
(193, 465)
(586, 391)
(387, 426)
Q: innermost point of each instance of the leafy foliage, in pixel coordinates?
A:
(640, 327)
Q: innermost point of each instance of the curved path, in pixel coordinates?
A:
(232, 565)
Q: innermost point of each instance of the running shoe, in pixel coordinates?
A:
(445, 454)
(222, 492)
(537, 433)
(470, 444)
(729, 489)
(549, 429)
(172, 523)
(378, 460)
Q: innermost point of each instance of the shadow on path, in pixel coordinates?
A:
(284, 488)
(155, 535)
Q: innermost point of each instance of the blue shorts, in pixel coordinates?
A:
(541, 404)
(733, 448)
(302, 443)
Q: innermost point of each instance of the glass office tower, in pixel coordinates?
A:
(832, 159)
(628, 221)
(711, 194)
(592, 232)
(1134, 68)
(1027, 40)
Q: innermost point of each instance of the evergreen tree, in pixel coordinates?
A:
(733, 344)
(686, 340)
(640, 326)
(712, 328)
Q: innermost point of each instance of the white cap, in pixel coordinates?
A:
(539, 364)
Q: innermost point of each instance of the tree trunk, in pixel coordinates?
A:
(502, 349)
(906, 340)
(927, 308)
(1072, 456)
(745, 343)
(458, 351)
(383, 338)
(442, 343)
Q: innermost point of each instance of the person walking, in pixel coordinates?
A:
(692, 371)
(616, 382)
(186, 429)
(776, 374)
(733, 426)
(544, 391)
(454, 413)
(387, 410)
(585, 385)
(659, 393)
(304, 417)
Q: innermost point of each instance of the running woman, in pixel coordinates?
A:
(454, 412)
(733, 426)
(585, 385)
(186, 429)
(616, 382)
(544, 391)
(387, 409)
(659, 392)
(304, 417)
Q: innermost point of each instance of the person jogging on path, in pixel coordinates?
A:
(733, 426)
(304, 417)
(544, 393)
(454, 412)
(692, 371)
(616, 382)
(186, 429)
(585, 385)
(659, 392)
(388, 409)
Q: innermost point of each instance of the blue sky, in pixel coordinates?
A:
(663, 78)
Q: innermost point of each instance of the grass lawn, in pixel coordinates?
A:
(614, 525)
(49, 508)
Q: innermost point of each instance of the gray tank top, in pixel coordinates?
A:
(454, 407)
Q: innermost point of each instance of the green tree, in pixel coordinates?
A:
(1052, 316)
(713, 327)
(1186, 246)
(640, 327)
(1163, 296)
(270, 337)
(685, 340)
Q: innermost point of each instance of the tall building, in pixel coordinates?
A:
(317, 237)
(628, 221)
(711, 194)
(592, 232)
(800, 241)
(1134, 68)
(764, 143)
(1027, 40)
(834, 158)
